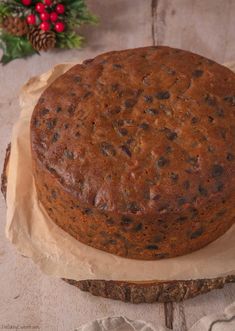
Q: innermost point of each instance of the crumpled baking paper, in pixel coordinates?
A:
(215, 322)
(119, 323)
(30, 229)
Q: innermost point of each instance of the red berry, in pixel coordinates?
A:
(53, 16)
(47, 2)
(59, 27)
(60, 8)
(45, 26)
(44, 16)
(31, 19)
(26, 2)
(40, 7)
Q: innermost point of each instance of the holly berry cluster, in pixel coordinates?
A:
(48, 15)
(31, 26)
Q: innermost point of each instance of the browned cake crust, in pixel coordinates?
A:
(133, 152)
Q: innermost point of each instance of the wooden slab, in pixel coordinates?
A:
(139, 292)
(149, 292)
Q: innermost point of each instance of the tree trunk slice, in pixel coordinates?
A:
(4, 172)
(153, 291)
(139, 292)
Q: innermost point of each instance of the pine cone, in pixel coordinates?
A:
(41, 40)
(55, 2)
(15, 25)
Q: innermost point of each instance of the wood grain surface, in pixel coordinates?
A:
(27, 296)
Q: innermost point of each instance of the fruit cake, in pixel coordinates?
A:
(133, 152)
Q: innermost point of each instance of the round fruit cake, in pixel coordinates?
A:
(133, 152)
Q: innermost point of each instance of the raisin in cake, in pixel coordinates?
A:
(133, 152)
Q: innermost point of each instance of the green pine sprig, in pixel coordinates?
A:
(4, 11)
(76, 14)
(69, 40)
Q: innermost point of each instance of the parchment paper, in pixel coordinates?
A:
(218, 322)
(30, 229)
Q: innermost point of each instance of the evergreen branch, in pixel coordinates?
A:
(4, 11)
(75, 19)
(76, 14)
(69, 40)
